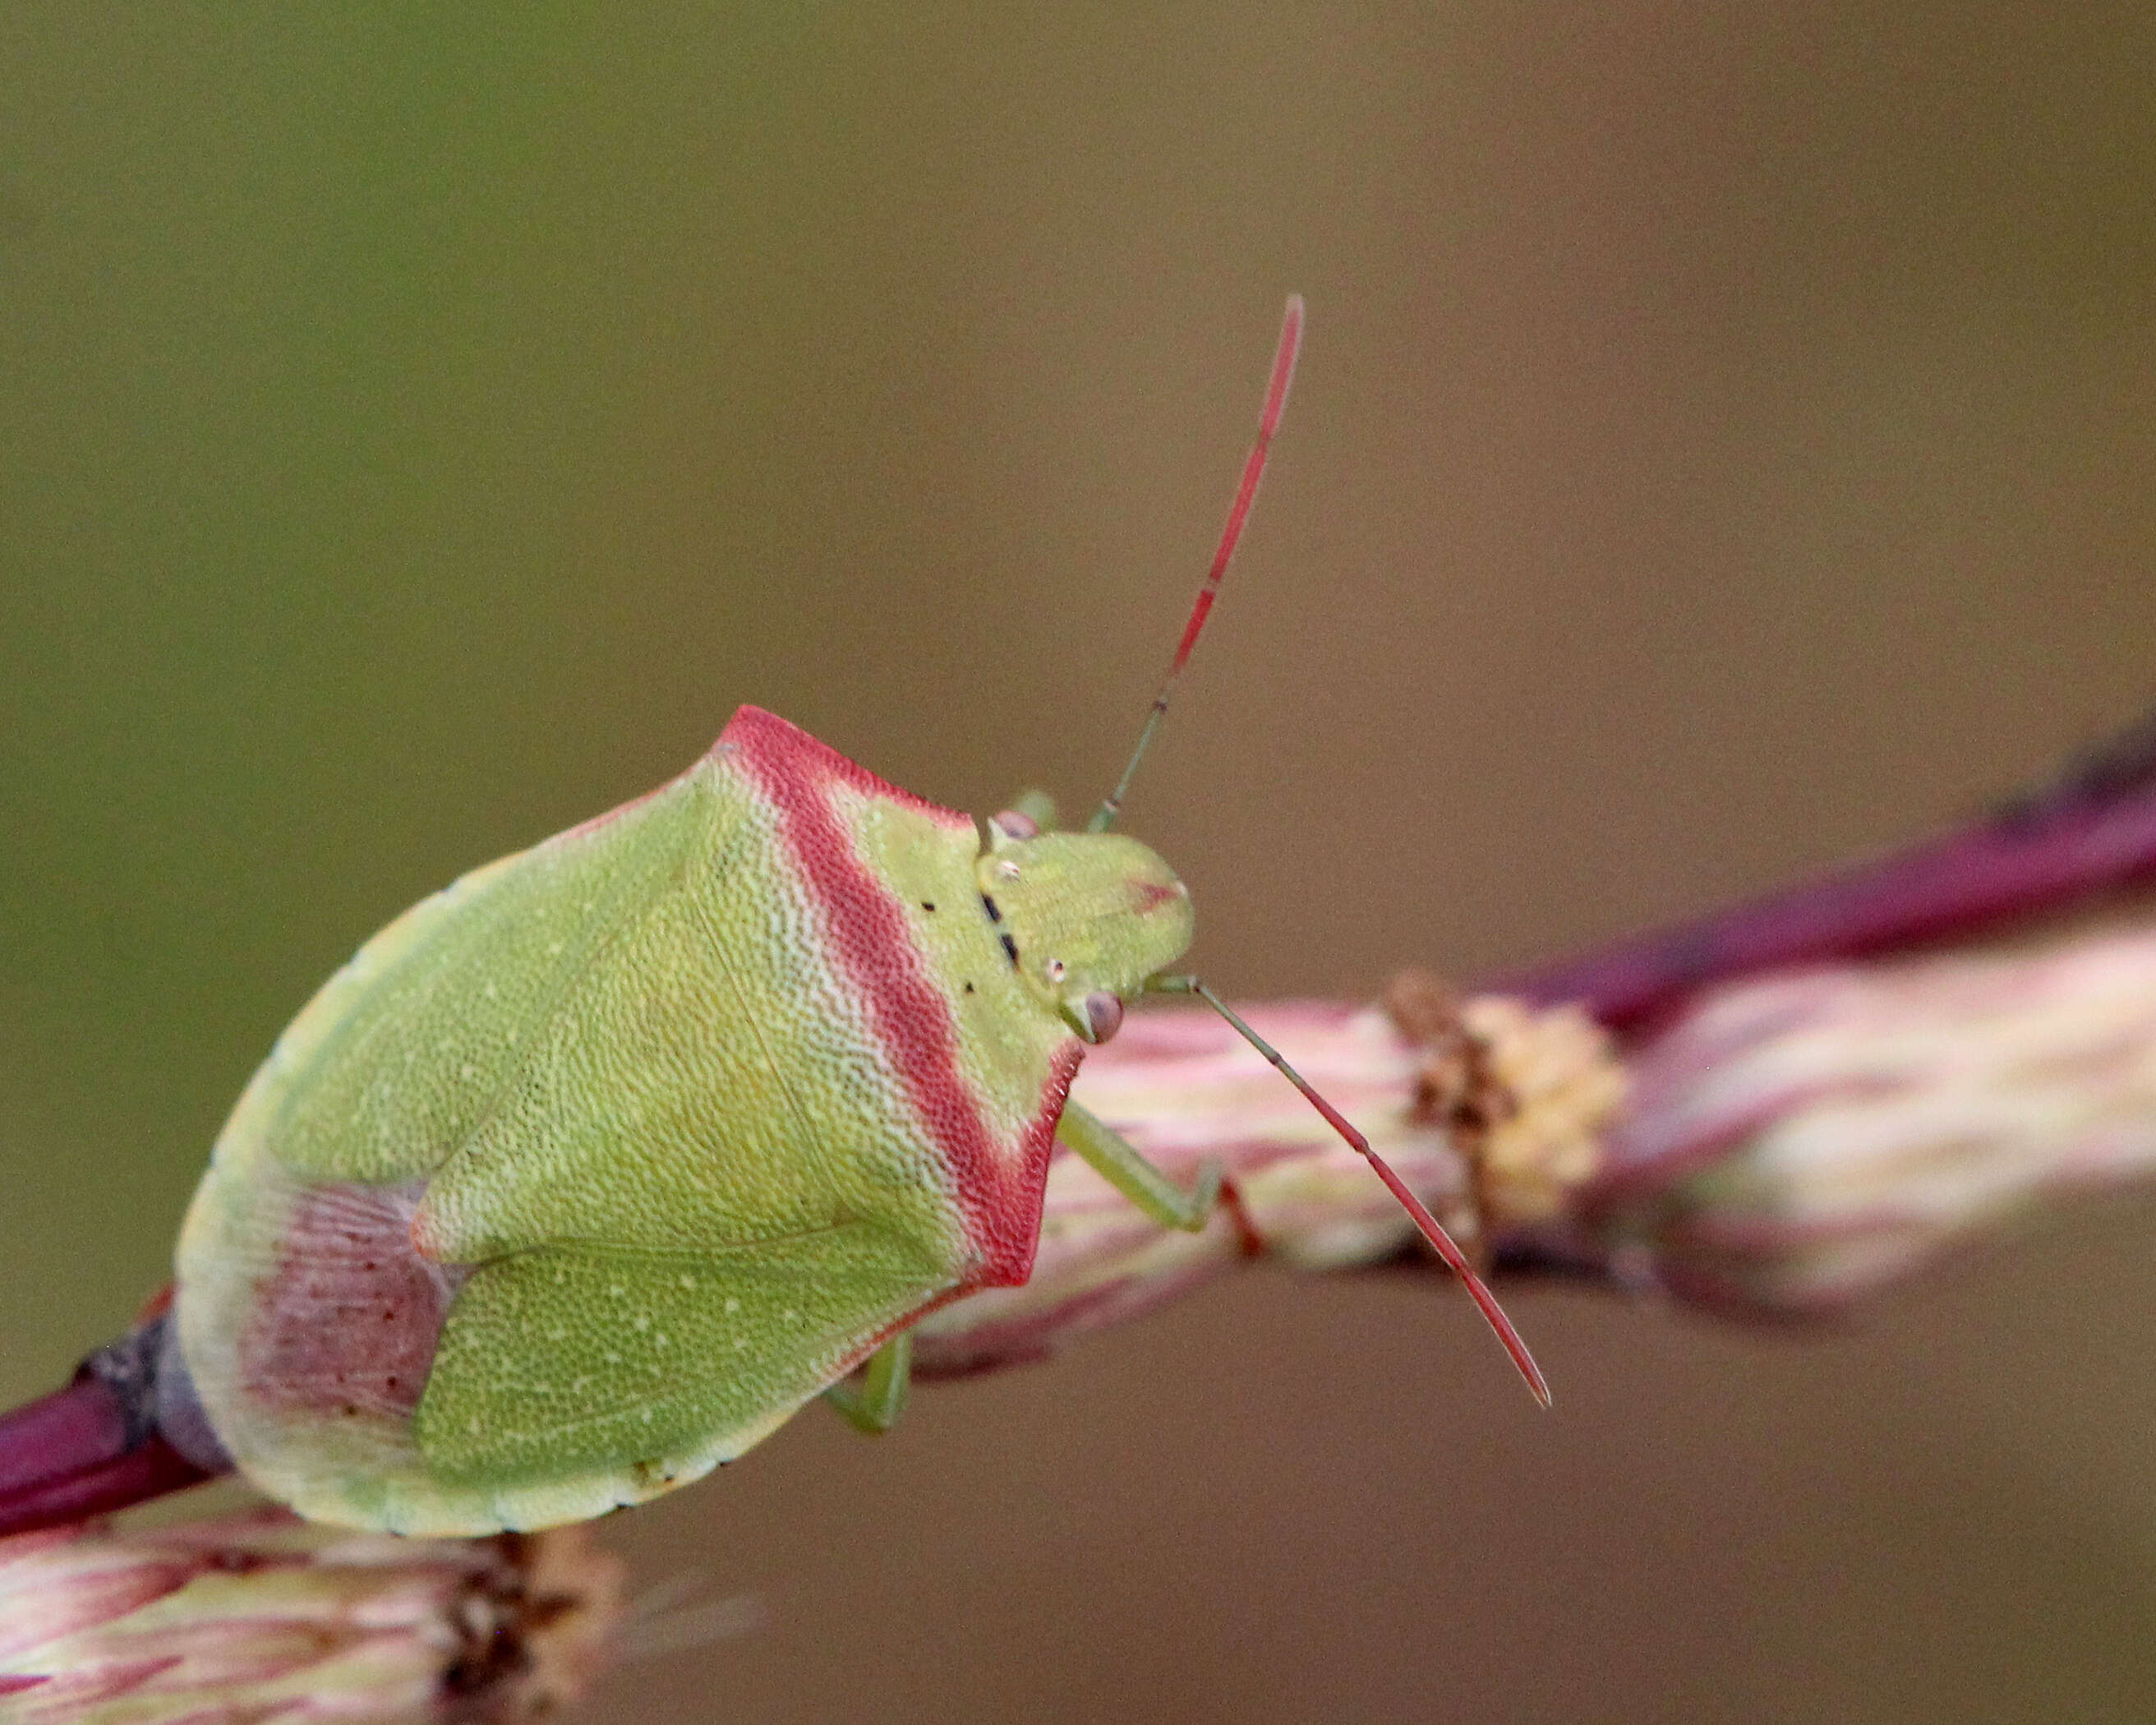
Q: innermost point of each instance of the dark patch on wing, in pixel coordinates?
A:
(346, 1322)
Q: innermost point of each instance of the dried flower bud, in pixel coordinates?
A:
(1522, 1092)
(1797, 1141)
(231, 1621)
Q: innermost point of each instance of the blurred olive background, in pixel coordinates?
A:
(1724, 444)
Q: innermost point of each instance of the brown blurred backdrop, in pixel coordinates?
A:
(1724, 444)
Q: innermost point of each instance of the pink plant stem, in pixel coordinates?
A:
(66, 1455)
(2091, 832)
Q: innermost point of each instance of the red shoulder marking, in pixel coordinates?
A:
(1000, 1205)
(779, 749)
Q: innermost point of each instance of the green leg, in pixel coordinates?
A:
(874, 1406)
(1113, 1157)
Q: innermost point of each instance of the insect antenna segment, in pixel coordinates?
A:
(1431, 1228)
(1246, 493)
(1103, 818)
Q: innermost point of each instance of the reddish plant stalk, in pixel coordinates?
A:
(95, 1446)
(2091, 831)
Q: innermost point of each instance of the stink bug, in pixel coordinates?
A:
(588, 1172)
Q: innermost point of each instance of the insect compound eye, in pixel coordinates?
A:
(1013, 825)
(1104, 1013)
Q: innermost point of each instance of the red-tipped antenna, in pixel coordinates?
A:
(1246, 493)
(1254, 469)
(1432, 1229)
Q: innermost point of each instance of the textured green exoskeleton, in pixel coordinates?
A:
(585, 1173)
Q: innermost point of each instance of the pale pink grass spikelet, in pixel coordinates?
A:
(260, 1616)
(1801, 1140)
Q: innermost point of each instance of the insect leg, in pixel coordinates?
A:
(1113, 1157)
(874, 1405)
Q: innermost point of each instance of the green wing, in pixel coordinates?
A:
(576, 1357)
(628, 1034)
(705, 1082)
(410, 1047)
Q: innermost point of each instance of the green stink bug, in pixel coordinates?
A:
(587, 1172)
